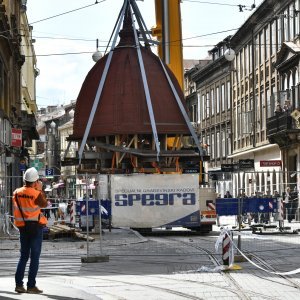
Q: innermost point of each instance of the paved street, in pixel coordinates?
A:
(172, 266)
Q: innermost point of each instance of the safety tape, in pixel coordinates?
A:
(227, 232)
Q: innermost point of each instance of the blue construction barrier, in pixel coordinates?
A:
(237, 206)
(93, 208)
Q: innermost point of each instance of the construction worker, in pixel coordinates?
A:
(28, 217)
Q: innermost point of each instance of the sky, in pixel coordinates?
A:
(65, 33)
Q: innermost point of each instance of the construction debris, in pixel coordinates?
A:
(60, 231)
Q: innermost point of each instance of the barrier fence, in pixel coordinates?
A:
(79, 224)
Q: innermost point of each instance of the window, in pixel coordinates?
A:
(256, 45)
(199, 108)
(238, 66)
(228, 95)
(212, 145)
(267, 42)
(218, 99)
(273, 38)
(222, 51)
(223, 144)
(223, 96)
(297, 18)
(194, 113)
(286, 26)
(270, 107)
(207, 105)
(261, 47)
(228, 142)
(250, 59)
(212, 102)
(238, 125)
(258, 114)
(208, 143)
(203, 108)
(279, 28)
(242, 64)
(246, 60)
(246, 118)
(218, 145)
(291, 22)
(263, 110)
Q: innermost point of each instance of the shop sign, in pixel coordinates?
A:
(16, 137)
(227, 167)
(246, 164)
(270, 163)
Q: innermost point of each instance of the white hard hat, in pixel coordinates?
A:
(31, 175)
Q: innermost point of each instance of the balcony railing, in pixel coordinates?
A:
(281, 128)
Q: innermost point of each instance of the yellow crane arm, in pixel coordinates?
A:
(169, 34)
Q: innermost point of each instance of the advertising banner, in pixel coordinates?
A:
(155, 200)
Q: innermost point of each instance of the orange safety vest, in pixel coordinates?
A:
(31, 211)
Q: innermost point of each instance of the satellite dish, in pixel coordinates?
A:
(229, 54)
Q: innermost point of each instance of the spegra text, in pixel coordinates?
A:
(152, 199)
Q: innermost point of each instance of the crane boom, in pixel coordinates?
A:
(169, 33)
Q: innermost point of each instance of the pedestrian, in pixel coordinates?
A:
(28, 217)
(48, 209)
(228, 195)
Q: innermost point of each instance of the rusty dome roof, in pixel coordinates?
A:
(122, 108)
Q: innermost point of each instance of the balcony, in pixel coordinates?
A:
(282, 129)
(28, 124)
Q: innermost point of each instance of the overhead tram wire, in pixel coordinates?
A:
(209, 2)
(189, 38)
(241, 7)
(67, 12)
(58, 15)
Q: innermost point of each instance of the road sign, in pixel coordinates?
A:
(22, 167)
(49, 172)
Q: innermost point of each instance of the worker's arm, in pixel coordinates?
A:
(41, 200)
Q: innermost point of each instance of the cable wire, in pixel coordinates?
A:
(208, 2)
(67, 12)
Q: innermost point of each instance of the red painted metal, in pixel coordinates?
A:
(123, 108)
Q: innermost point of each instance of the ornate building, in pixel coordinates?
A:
(17, 95)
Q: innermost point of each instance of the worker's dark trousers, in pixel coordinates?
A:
(31, 244)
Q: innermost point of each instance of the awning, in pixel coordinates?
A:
(252, 150)
(58, 185)
(83, 186)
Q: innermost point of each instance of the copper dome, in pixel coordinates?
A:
(122, 108)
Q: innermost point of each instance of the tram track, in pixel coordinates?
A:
(234, 286)
(212, 257)
(266, 265)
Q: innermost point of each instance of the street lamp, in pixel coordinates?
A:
(52, 125)
(97, 55)
(229, 54)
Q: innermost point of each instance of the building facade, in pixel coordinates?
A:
(261, 84)
(17, 78)
(209, 102)
(238, 103)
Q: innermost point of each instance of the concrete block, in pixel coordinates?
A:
(95, 259)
